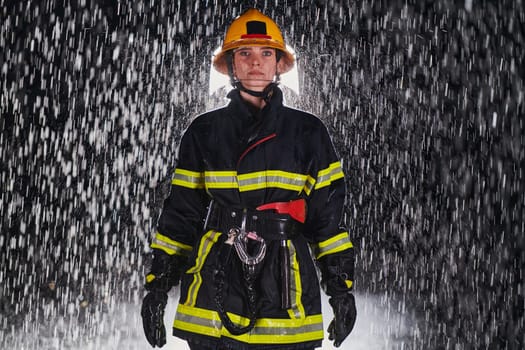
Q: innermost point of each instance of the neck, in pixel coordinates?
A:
(258, 99)
(257, 102)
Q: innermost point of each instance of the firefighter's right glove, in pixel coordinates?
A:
(152, 314)
(164, 274)
(344, 317)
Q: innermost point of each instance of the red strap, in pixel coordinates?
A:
(255, 36)
(264, 139)
(296, 209)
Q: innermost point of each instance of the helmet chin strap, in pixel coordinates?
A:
(265, 94)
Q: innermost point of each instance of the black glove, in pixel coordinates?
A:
(337, 271)
(164, 274)
(152, 314)
(344, 318)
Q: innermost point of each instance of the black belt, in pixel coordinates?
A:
(267, 224)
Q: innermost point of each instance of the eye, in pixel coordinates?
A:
(243, 53)
(267, 53)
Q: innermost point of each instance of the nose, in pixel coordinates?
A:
(255, 62)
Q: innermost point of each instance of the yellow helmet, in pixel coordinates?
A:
(252, 28)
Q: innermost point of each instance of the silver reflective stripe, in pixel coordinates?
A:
(297, 309)
(221, 179)
(333, 245)
(207, 242)
(187, 178)
(175, 249)
(249, 181)
(309, 185)
(328, 175)
(272, 178)
(287, 330)
(277, 328)
(214, 323)
(170, 246)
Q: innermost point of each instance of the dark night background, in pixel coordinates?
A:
(424, 99)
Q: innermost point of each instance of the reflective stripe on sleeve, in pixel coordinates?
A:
(333, 245)
(326, 176)
(150, 277)
(188, 179)
(170, 246)
(266, 330)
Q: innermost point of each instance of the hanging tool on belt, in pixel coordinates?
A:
(246, 230)
(297, 211)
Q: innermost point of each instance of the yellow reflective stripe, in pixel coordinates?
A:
(296, 288)
(188, 179)
(309, 185)
(207, 242)
(221, 179)
(170, 246)
(197, 320)
(150, 277)
(271, 178)
(256, 180)
(333, 245)
(326, 176)
(266, 330)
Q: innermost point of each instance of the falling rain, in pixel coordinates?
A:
(425, 104)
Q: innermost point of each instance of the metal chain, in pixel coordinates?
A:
(239, 238)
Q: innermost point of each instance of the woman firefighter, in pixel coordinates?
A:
(255, 204)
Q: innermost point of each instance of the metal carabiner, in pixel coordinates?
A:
(241, 247)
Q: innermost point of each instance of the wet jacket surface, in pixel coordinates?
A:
(244, 158)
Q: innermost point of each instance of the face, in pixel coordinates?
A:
(255, 66)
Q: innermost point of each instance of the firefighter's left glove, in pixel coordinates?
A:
(344, 317)
(337, 271)
(152, 313)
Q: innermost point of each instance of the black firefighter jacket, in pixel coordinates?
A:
(241, 158)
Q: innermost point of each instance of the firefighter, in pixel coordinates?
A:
(254, 212)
